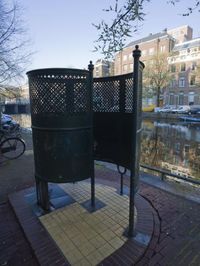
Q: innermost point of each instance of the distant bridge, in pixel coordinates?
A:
(15, 108)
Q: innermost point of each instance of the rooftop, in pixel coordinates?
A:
(150, 37)
(189, 44)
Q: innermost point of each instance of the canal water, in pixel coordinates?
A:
(170, 146)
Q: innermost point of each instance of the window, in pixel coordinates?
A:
(171, 99)
(193, 66)
(125, 68)
(192, 80)
(162, 48)
(173, 83)
(183, 52)
(151, 51)
(130, 57)
(131, 67)
(181, 99)
(182, 82)
(144, 52)
(177, 147)
(183, 67)
(191, 98)
(124, 57)
(96, 71)
(173, 68)
(183, 57)
(187, 148)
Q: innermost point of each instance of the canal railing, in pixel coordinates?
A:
(166, 116)
(164, 173)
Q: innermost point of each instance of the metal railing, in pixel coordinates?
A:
(165, 173)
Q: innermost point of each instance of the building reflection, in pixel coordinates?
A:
(23, 119)
(172, 146)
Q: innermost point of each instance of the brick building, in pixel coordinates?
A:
(181, 34)
(183, 61)
(150, 45)
(103, 68)
(183, 58)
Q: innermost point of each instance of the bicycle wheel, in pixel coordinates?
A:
(12, 148)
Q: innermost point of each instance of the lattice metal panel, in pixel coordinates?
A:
(129, 101)
(59, 93)
(106, 95)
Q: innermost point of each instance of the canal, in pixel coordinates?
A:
(165, 145)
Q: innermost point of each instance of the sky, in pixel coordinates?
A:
(62, 34)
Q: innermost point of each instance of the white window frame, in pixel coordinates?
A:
(151, 51)
(181, 82)
(125, 57)
(125, 67)
(162, 48)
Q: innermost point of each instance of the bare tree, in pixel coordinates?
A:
(14, 54)
(125, 17)
(157, 75)
(13, 43)
(9, 92)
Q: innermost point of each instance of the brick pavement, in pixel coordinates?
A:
(180, 229)
(17, 174)
(179, 232)
(14, 248)
(175, 242)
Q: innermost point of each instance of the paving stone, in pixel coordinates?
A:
(13, 252)
(173, 221)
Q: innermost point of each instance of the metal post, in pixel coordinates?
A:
(121, 184)
(42, 194)
(135, 133)
(162, 176)
(91, 68)
(121, 179)
(0, 114)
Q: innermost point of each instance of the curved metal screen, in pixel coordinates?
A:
(61, 112)
(114, 107)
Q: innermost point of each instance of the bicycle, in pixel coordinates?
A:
(11, 147)
(12, 129)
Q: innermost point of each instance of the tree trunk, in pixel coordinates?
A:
(158, 97)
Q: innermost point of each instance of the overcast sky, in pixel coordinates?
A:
(63, 36)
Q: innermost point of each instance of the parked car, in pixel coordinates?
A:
(194, 109)
(166, 109)
(184, 109)
(157, 109)
(149, 108)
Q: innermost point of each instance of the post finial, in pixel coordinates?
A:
(136, 52)
(90, 66)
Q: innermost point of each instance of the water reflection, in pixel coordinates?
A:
(23, 119)
(172, 146)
